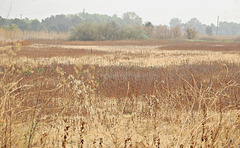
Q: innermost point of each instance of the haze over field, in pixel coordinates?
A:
(158, 12)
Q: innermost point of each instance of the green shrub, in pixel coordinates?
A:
(108, 31)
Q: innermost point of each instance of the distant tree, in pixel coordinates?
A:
(131, 18)
(59, 23)
(195, 23)
(226, 28)
(149, 30)
(12, 27)
(162, 32)
(176, 32)
(84, 32)
(191, 33)
(20, 23)
(108, 31)
(214, 28)
(133, 33)
(35, 25)
(175, 22)
(117, 20)
(3, 21)
(209, 30)
(149, 24)
(76, 20)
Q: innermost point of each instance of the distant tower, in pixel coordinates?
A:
(83, 10)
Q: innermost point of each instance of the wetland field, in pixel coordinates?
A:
(122, 94)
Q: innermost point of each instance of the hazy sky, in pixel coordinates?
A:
(156, 11)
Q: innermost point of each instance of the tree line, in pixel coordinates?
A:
(64, 23)
(224, 28)
(85, 26)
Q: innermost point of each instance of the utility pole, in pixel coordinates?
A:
(217, 25)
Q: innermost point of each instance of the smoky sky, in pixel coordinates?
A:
(155, 11)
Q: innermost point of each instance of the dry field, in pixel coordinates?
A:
(56, 93)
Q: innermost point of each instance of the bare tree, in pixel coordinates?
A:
(191, 33)
(176, 32)
(162, 32)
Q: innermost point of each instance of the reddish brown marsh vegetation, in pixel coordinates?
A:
(76, 104)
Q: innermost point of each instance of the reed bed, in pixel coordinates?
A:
(12, 35)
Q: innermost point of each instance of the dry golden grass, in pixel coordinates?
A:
(100, 95)
(6, 35)
(219, 38)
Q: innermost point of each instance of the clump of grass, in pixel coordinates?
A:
(64, 142)
(81, 132)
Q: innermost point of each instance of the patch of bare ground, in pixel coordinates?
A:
(168, 44)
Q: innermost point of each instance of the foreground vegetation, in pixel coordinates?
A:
(69, 104)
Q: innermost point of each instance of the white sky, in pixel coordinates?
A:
(156, 11)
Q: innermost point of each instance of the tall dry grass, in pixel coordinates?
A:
(76, 105)
(90, 106)
(8, 35)
(219, 38)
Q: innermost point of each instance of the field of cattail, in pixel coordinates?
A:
(121, 94)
